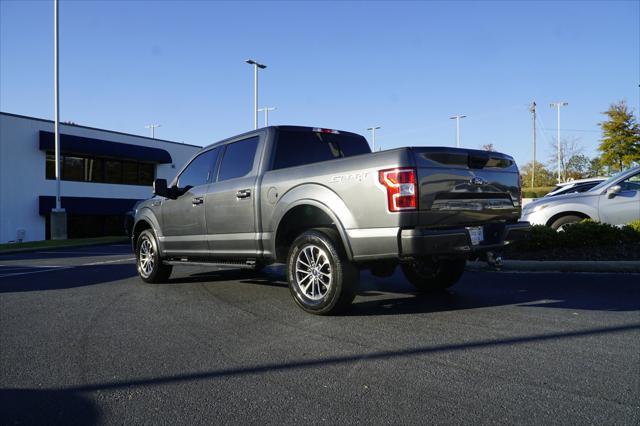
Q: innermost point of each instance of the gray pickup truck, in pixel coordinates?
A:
(321, 202)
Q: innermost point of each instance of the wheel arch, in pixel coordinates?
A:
(303, 215)
(143, 221)
(557, 216)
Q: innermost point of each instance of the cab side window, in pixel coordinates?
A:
(631, 184)
(200, 170)
(237, 160)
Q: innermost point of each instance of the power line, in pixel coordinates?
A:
(576, 130)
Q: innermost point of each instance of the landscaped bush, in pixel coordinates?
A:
(579, 235)
(635, 225)
(536, 192)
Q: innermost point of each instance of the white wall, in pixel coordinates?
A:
(22, 172)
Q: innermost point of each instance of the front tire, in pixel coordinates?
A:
(433, 275)
(322, 281)
(561, 222)
(148, 260)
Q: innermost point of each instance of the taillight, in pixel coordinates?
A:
(402, 188)
(520, 189)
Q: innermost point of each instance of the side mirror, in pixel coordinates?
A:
(160, 188)
(613, 191)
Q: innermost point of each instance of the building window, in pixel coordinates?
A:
(130, 173)
(51, 166)
(94, 170)
(91, 169)
(145, 172)
(73, 168)
(113, 171)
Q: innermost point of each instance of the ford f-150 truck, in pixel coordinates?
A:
(321, 202)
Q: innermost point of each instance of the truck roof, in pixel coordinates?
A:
(281, 127)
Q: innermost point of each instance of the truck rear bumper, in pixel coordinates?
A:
(423, 241)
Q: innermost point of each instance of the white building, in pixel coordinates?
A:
(103, 174)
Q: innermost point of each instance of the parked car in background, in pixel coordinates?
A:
(321, 202)
(615, 201)
(578, 185)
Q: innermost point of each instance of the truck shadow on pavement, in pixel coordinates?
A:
(601, 292)
(386, 296)
(395, 296)
(64, 278)
(69, 252)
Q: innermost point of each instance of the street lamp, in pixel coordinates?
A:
(256, 65)
(266, 114)
(153, 129)
(557, 105)
(58, 214)
(373, 136)
(457, 118)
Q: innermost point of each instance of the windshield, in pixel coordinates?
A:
(608, 181)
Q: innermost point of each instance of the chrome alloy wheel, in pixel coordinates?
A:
(313, 272)
(146, 258)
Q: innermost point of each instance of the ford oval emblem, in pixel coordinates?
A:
(477, 181)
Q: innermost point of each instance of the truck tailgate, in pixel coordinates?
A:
(465, 187)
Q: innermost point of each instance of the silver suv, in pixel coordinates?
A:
(615, 201)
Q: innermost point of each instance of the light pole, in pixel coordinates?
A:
(557, 105)
(153, 129)
(457, 118)
(373, 136)
(266, 114)
(256, 65)
(532, 109)
(58, 214)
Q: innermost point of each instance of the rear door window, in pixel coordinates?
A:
(299, 147)
(238, 157)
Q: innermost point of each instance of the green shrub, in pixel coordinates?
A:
(635, 225)
(586, 233)
(540, 237)
(536, 192)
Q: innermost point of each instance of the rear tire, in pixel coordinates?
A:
(322, 281)
(562, 221)
(428, 275)
(148, 260)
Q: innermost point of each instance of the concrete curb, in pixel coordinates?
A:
(618, 266)
(71, 246)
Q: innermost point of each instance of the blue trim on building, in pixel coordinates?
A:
(70, 144)
(86, 205)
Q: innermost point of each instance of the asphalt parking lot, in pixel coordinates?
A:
(84, 341)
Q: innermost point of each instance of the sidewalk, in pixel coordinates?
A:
(617, 266)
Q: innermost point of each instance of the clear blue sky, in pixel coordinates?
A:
(406, 66)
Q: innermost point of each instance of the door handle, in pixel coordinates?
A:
(243, 193)
(197, 200)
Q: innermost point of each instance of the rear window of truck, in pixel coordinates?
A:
(299, 147)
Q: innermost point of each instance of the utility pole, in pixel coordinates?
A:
(557, 105)
(457, 118)
(256, 65)
(373, 136)
(532, 108)
(58, 229)
(266, 114)
(153, 129)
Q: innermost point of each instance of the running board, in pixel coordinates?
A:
(249, 264)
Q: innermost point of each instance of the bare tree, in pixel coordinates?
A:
(488, 147)
(569, 148)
